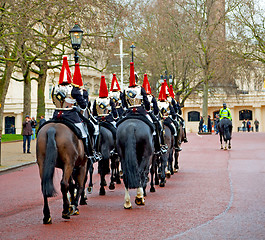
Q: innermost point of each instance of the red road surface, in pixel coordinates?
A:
(217, 194)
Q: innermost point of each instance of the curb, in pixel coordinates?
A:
(4, 170)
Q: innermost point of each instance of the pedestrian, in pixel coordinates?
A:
(33, 126)
(244, 125)
(201, 124)
(26, 132)
(256, 123)
(209, 125)
(42, 120)
(216, 121)
(248, 125)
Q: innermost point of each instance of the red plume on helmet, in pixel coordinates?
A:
(115, 87)
(166, 88)
(146, 85)
(77, 78)
(162, 94)
(103, 90)
(65, 74)
(132, 75)
(171, 92)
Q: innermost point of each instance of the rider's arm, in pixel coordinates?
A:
(113, 109)
(155, 106)
(172, 112)
(76, 94)
(145, 99)
(94, 110)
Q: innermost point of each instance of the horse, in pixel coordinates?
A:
(135, 147)
(58, 146)
(106, 147)
(225, 132)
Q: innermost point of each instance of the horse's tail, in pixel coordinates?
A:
(130, 169)
(47, 185)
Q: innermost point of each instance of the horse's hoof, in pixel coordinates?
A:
(127, 205)
(162, 184)
(76, 212)
(83, 202)
(175, 170)
(118, 181)
(111, 186)
(168, 174)
(102, 192)
(139, 201)
(104, 183)
(66, 215)
(152, 189)
(229, 147)
(225, 148)
(47, 221)
(89, 190)
(222, 148)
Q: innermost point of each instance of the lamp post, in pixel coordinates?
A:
(76, 34)
(132, 47)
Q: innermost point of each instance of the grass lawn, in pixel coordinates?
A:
(11, 137)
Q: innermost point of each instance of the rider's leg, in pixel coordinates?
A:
(176, 140)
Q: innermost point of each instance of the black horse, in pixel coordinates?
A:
(58, 146)
(106, 147)
(225, 132)
(135, 147)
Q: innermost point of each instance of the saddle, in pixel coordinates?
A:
(136, 115)
(167, 122)
(110, 127)
(69, 124)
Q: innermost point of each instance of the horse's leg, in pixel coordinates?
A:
(139, 199)
(170, 164)
(104, 166)
(221, 140)
(152, 171)
(113, 172)
(229, 144)
(176, 165)
(80, 187)
(156, 174)
(83, 195)
(64, 189)
(46, 212)
(90, 185)
(163, 170)
(117, 170)
(127, 204)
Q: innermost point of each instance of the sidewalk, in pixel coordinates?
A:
(12, 155)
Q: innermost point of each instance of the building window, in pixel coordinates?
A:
(193, 116)
(245, 114)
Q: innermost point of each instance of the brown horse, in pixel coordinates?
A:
(58, 146)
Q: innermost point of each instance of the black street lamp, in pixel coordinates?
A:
(76, 34)
(132, 47)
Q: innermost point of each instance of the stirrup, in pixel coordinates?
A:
(178, 149)
(163, 149)
(96, 157)
(158, 153)
(113, 153)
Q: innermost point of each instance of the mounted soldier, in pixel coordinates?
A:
(70, 99)
(178, 111)
(225, 112)
(116, 95)
(168, 113)
(104, 109)
(160, 146)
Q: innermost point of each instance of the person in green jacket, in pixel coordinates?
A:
(225, 112)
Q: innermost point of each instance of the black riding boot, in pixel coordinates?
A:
(88, 151)
(97, 155)
(185, 140)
